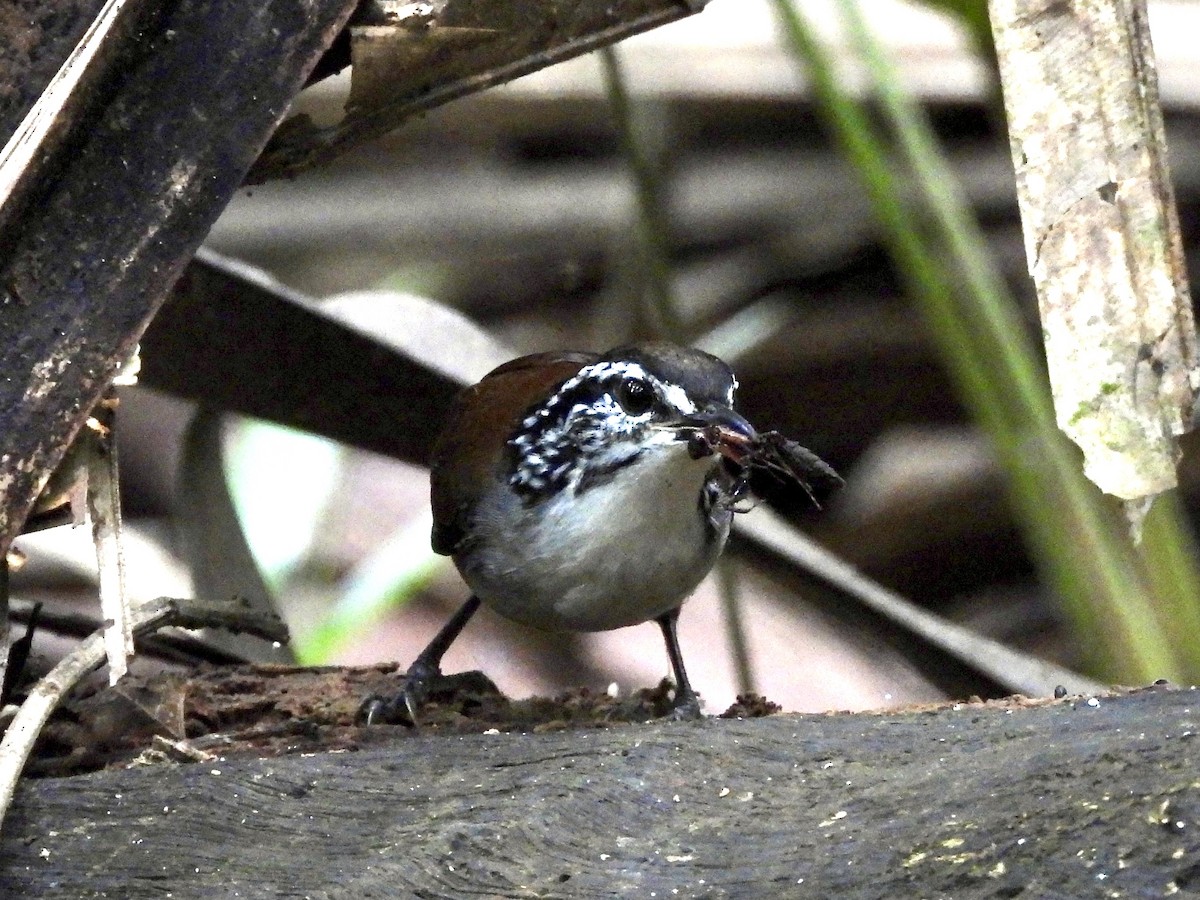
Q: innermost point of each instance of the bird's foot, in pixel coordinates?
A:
(401, 708)
(685, 707)
(667, 701)
(422, 683)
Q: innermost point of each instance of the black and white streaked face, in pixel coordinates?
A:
(633, 401)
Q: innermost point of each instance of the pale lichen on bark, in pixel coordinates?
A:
(1101, 234)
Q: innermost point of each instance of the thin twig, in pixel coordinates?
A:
(735, 628)
(654, 227)
(5, 628)
(104, 507)
(49, 692)
(1017, 671)
(177, 647)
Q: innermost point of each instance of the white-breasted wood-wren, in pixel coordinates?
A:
(585, 492)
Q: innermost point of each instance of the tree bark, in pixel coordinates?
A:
(1101, 233)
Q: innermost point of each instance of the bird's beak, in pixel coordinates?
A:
(720, 430)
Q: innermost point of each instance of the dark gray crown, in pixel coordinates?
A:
(704, 378)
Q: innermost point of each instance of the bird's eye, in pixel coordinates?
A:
(635, 396)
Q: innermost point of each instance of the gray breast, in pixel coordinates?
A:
(627, 549)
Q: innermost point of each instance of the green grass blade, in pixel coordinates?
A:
(653, 226)
(1075, 536)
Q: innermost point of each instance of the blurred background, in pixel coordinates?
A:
(520, 207)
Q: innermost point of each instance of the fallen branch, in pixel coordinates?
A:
(1069, 798)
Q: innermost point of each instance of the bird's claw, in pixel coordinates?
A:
(377, 709)
(400, 709)
(686, 708)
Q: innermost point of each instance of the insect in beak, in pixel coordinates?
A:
(720, 430)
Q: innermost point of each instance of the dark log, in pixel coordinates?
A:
(433, 53)
(117, 218)
(155, 149)
(235, 344)
(1070, 798)
(34, 42)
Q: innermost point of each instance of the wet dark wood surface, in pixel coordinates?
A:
(1067, 798)
(118, 211)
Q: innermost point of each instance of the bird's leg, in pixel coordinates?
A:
(687, 701)
(426, 668)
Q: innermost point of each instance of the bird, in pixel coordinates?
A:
(584, 492)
